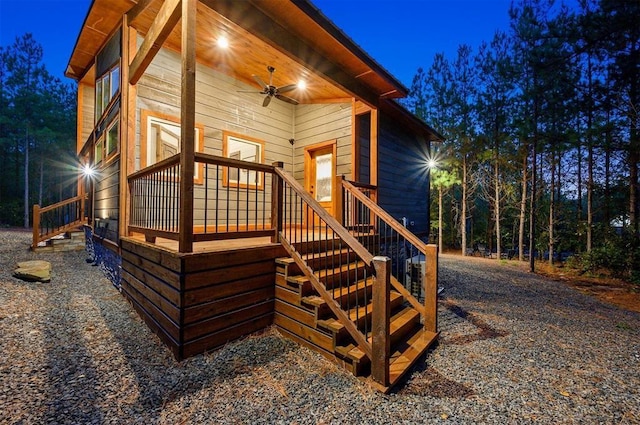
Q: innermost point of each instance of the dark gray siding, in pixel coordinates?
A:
(402, 175)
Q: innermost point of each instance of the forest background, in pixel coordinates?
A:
(541, 128)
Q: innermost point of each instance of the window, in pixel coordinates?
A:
(243, 148)
(106, 88)
(97, 158)
(113, 135)
(160, 139)
(324, 174)
(107, 145)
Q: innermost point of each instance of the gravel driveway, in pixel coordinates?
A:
(514, 348)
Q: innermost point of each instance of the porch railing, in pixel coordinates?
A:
(352, 282)
(58, 218)
(231, 199)
(414, 264)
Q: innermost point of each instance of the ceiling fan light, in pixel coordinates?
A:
(302, 85)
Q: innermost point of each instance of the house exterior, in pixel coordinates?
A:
(226, 197)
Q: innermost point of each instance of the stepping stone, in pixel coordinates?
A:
(33, 271)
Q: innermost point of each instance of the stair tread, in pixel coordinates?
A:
(403, 358)
(300, 279)
(314, 255)
(357, 312)
(351, 351)
(356, 286)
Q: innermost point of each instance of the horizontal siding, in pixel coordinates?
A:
(220, 105)
(107, 198)
(402, 176)
(320, 123)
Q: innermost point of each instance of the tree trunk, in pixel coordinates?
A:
(463, 219)
(41, 183)
(523, 210)
(497, 207)
(26, 179)
(532, 208)
(440, 217)
(552, 197)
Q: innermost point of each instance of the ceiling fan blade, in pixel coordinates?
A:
(261, 83)
(287, 88)
(266, 100)
(287, 99)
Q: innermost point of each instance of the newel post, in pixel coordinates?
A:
(380, 335)
(276, 203)
(430, 280)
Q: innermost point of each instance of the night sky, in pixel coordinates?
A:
(401, 35)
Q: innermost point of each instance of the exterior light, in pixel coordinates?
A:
(223, 42)
(432, 163)
(88, 170)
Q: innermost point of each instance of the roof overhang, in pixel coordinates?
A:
(293, 33)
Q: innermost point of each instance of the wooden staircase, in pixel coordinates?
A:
(304, 316)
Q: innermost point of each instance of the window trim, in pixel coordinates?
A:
(145, 116)
(226, 182)
(104, 106)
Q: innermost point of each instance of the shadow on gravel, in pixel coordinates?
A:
(485, 330)
(432, 383)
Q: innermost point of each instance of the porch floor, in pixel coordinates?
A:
(233, 244)
(211, 246)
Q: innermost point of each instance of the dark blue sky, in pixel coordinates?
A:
(401, 35)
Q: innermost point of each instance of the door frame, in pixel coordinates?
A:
(308, 150)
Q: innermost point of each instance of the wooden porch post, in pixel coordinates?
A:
(338, 207)
(430, 280)
(187, 128)
(127, 125)
(381, 339)
(373, 153)
(276, 203)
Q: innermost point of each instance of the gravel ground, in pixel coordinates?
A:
(514, 348)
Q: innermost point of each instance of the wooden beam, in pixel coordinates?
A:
(355, 144)
(127, 124)
(373, 149)
(165, 21)
(136, 10)
(80, 117)
(187, 124)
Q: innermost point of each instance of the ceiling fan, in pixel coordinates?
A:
(272, 91)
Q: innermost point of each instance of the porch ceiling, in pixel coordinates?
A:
(292, 36)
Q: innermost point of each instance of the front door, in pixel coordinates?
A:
(319, 173)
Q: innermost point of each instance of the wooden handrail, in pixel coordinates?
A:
(234, 163)
(158, 166)
(337, 228)
(429, 309)
(386, 217)
(361, 185)
(62, 203)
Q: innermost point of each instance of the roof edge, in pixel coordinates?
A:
(336, 32)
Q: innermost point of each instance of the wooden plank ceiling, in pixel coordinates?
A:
(268, 33)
